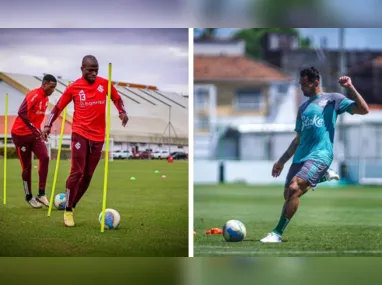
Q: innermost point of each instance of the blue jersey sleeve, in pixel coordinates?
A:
(343, 104)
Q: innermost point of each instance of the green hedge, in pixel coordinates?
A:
(11, 152)
(65, 153)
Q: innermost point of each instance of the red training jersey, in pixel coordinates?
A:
(31, 113)
(89, 107)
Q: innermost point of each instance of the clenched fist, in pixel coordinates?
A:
(345, 81)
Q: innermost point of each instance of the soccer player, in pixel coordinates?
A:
(88, 94)
(313, 145)
(27, 137)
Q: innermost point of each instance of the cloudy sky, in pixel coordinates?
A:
(147, 56)
(185, 13)
(93, 13)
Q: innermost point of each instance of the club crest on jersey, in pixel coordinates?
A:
(82, 95)
(323, 103)
(100, 88)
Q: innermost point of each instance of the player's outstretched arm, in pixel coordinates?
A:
(118, 102)
(279, 165)
(361, 107)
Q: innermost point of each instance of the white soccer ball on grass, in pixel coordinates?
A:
(112, 219)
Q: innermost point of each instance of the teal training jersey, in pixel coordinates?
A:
(316, 123)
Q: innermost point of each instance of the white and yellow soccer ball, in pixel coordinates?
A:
(234, 231)
(112, 219)
(60, 201)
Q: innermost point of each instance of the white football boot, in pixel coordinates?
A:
(331, 175)
(34, 203)
(272, 238)
(43, 200)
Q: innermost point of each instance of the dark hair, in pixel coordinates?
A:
(88, 57)
(312, 73)
(49, 78)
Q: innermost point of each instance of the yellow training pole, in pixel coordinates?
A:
(106, 150)
(57, 162)
(5, 148)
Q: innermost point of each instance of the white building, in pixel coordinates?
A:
(158, 120)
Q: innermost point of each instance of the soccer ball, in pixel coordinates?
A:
(234, 230)
(112, 219)
(60, 201)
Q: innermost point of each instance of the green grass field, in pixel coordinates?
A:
(331, 221)
(154, 213)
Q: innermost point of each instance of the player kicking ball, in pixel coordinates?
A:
(312, 148)
(88, 94)
(27, 137)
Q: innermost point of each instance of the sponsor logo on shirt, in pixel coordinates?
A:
(92, 103)
(34, 97)
(85, 103)
(309, 122)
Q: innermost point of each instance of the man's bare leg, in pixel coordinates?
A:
(292, 194)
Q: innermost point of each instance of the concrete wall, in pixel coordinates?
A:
(249, 172)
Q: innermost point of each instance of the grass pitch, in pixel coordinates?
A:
(344, 221)
(154, 213)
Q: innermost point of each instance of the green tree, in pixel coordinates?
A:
(252, 38)
(295, 13)
(305, 43)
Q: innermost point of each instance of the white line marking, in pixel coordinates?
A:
(250, 251)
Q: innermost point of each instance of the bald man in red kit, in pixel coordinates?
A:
(89, 95)
(27, 137)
